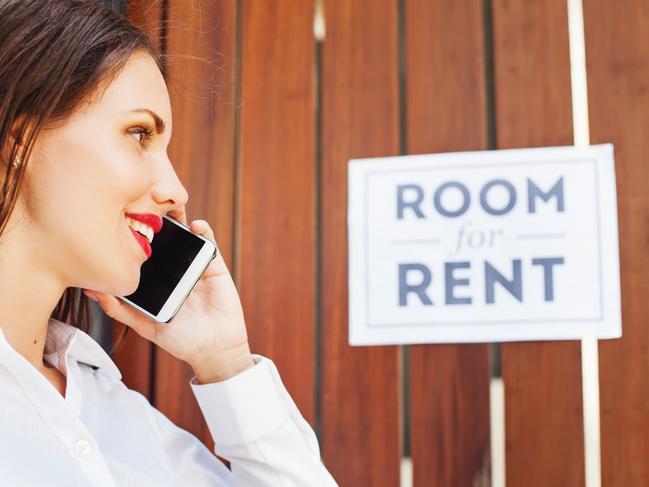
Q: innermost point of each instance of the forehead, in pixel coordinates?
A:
(139, 85)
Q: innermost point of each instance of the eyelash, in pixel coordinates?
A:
(147, 133)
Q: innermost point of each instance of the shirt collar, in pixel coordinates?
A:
(64, 339)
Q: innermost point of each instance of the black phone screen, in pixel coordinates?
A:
(173, 250)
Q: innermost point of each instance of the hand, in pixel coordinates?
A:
(208, 332)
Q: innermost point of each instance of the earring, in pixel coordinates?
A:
(17, 161)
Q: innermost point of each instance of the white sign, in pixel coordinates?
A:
(485, 246)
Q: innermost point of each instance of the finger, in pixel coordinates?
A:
(122, 312)
(203, 228)
(179, 214)
(217, 267)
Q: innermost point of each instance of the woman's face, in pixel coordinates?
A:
(86, 174)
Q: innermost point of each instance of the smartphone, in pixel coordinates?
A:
(178, 259)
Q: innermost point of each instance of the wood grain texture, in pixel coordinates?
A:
(200, 60)
(447, 111)
(543, 403)
(617, 36)
(361, 438)
(276, 190)
(147, 15)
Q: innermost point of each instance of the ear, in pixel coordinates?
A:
(14, 139)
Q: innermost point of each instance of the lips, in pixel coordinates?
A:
(142, 240)
(151, 219)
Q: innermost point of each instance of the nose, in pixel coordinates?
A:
(168, 192)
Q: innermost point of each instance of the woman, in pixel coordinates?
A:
(85, 121)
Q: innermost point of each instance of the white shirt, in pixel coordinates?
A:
(104, 434)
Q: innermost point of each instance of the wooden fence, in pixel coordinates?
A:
(266, 117)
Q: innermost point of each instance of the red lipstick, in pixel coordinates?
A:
(144, 243)
(151, 219)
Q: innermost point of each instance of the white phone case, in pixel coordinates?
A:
(186, 283)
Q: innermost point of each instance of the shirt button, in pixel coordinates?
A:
(82, 448)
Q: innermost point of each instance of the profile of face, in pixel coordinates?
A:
(86, 173)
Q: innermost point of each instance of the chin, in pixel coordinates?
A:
(126, 285)
(128, 292)
(133, 287)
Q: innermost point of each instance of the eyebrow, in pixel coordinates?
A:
(159, 123)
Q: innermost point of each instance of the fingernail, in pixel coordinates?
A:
(91, 295)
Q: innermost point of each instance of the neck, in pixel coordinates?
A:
(30, 294)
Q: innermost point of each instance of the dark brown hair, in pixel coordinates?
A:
(54, 55)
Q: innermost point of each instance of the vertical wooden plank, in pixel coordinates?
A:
(276, 227)
(134, 356)
(133, 359)
(618, 72)
(447, 111)
(200, 65)
(147, 15)
(544, 424)
(360, 118)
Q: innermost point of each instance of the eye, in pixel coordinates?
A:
(141, 134)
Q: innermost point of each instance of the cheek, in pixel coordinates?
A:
(92, 159)
(73, 179)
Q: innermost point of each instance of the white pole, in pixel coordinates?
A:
(580, 128)
(590, 393)
(589, 345)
